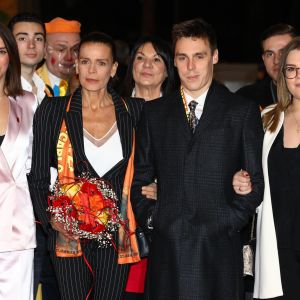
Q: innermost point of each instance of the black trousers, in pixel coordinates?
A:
(106, 281)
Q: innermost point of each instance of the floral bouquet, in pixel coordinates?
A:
(87, 208)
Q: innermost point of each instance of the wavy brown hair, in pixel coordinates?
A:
(271, 118)
(12, 85)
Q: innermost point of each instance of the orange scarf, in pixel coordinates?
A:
(128, 248)
(127, 242)
(65, 169)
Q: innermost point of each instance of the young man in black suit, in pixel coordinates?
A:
(273, 40)
(193, 141)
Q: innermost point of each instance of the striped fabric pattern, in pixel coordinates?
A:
(74, 277)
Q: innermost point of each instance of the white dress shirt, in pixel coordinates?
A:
(40, 85)
(200, 100)
(53, 79)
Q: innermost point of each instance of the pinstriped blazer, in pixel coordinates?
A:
(46, 127)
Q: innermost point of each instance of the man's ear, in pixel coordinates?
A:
(215, 56)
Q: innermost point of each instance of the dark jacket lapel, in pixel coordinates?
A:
(74, 125)
(124, 123)
(213, 106)
(177, 110)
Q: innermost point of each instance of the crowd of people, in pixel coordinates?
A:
(205, 160)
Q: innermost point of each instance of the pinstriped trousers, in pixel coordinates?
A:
(75, 279)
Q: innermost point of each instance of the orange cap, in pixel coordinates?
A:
(62, 25)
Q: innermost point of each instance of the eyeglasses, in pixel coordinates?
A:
(290, 72)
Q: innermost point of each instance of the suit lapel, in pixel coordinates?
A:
(75, 131)
(124, 123)
(12, 141)
(5, 172)
(270, 137)
(213, 107)
(177, 110)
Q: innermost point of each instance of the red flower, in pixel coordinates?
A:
(89, 188)
(61, 201)
(92, 229)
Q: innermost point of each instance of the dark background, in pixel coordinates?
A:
(238, 23)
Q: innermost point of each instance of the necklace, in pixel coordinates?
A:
(184, 102)
(297, 123)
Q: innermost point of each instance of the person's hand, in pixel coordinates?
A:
(241, 182)
(60, 227)
(150, 191)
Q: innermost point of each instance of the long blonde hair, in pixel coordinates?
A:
(271, 118)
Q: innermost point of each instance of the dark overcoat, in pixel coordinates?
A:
(196, 250)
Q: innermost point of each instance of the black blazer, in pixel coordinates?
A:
(46, 128)
(196, 251)
(263, 92)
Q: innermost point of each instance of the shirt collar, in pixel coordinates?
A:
(53, 79)
(26, 86)
(200, 99)
(39, 83)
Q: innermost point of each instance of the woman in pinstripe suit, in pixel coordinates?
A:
(100, 128)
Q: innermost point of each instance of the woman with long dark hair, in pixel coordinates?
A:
(150, 72)
(150, 75)
(17, 226)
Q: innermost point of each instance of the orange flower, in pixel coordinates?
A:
(96, 203)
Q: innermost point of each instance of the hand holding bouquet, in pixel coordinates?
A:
(87, 208)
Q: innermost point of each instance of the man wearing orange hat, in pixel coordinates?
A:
(62, 41)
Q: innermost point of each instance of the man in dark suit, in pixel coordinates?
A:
(193, 141)
(273, 40)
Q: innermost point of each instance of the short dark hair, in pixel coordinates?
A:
(12, 84)
(162, 49)
(101, 38)
(277, 29)
(196, 28)
(26, 17)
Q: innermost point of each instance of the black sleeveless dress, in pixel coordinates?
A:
(284, 178)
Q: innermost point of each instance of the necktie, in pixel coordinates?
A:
(193, 121)
(63, 87)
